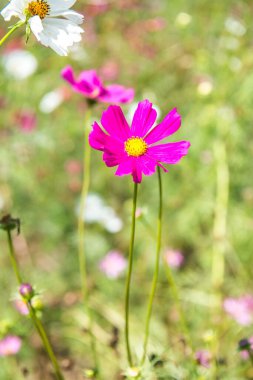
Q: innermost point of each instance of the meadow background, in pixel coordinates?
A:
(197, 56)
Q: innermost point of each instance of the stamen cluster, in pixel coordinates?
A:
(38, 8)
(135, 146)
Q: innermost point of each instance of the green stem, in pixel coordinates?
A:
(176, 296)
(13, 258)
(156, 272)
(81, 237)
(37, 323)
(129, 275)
(12, 30)
(220, 219)
(45, 341)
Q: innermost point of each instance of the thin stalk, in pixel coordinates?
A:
(156, 272)
(81, 236)
(12, 30)
(13, 258)
(220, 219)
(37, 323)
(176, 296)
(129, 275)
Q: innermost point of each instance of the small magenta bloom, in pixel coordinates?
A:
(174, 258)
(26, 291)
(240, 309)
(133, 149)
(113, 264)
(90, 85)
(203, 358)
(10, 345)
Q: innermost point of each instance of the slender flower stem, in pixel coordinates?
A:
(12, 30)
(129, 275)
(13, 258)
(81, 237)
(176, 296)
(220, 219)
(156, 272)
(37, 323)
(81, 215)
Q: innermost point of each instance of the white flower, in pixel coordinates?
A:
(52, 22)
(19, 64)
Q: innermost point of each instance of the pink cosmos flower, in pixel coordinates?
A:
(133, 148)
(10, 345)
(241, 309)
(90, 85)
(113, 264)
(174, 258)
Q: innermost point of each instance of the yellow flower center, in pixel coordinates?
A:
(135, 146)
(38, 8)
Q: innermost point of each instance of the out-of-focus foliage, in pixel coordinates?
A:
(197, 56)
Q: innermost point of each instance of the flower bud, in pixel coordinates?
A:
(26, 291)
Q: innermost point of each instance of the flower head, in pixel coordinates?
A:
(26, 291)
(174, 258)
(133, 148)
(90, 85)
(10, 345)
(113, 264)
(241, 309)
(203, 358)
(52, 22)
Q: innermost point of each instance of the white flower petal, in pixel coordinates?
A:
(14, 8)
(60, 5)
(36, 26)
(77, 18)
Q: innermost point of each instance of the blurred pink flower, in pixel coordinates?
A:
(27, 121)
(113, 264)
(175, 259)
(134, 149)
(10, 345)
(73, 167)
(240, 309)
(91, 86)
(203, 357)
(20, 306)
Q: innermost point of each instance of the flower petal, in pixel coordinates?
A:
(170, 153)
(73, 16)
(60, 5)
(144, 118)
(114, 122)
(114, 152)
(14, 8)
(116, 93)
(170, 124)
(97, 138)
(36, 26)
(125, 167)
(68, 74)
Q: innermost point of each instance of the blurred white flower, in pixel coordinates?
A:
(51, 101)
(52, 22)
(205, 87)
(183, 19)
(19, 64)
(235, 27)
(97, 211)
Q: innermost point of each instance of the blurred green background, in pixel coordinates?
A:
(197, 56)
